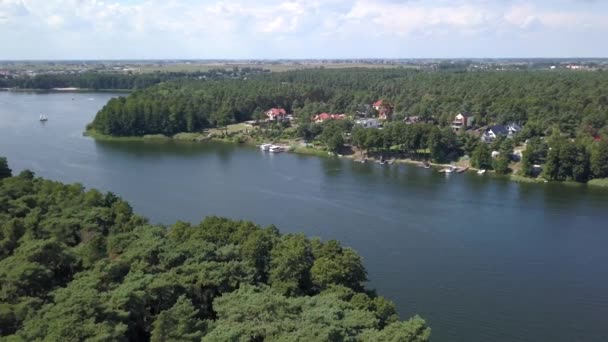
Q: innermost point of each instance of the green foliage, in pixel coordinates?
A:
(482, 157)
(78, 265)
(567, 160)
(501, 165)
(4, 169)
(259, 314)
(332, 134)
(527, 163)
(97, 80)
(290, 265)
(180, 323)
(599, 159)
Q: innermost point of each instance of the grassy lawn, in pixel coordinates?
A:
(232, 129)
(601, 182)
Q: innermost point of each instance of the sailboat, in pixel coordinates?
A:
(43, 118)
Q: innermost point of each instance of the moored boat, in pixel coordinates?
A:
(265, 147)
(276, 149)
(448, 169)
(481, 172)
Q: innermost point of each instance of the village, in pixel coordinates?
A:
(380, 115)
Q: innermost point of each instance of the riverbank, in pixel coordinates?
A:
(291, 145)
(299, 147)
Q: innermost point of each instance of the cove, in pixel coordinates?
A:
(480, 258)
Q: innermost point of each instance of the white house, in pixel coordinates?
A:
(495, 131)
(369, 123)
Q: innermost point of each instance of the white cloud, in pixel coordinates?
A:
(290, 28)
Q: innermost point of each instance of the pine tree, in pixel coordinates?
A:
(178, 324)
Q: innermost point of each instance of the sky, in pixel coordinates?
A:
(295, 29)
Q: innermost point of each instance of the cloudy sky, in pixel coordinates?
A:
(137, 29)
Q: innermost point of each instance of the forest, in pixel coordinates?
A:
(79, 265)
(571, 101)
(117, 81)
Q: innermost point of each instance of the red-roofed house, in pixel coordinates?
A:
(326, 116)
(385, 110)
(276, 114)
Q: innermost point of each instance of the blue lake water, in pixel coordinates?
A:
(480, 257)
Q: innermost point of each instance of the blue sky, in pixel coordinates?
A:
(238, 29)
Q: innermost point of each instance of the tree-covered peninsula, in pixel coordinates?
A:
(79, 265)
(549, 123)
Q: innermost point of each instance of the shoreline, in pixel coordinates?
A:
(311, 151)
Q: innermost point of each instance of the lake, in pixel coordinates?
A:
(481, 258)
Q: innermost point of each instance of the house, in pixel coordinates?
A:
(326, 116)
(385, 110)
(495, 131)
(276, 114)
(463, 121)
(369, 123)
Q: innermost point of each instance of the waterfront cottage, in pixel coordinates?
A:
(495, 131)
(463, 121)
(276, 114)
(385, 110)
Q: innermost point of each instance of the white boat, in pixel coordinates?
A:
(481, 172)
(275, 149)
(448, 169)
(265, 147)
(43, 118)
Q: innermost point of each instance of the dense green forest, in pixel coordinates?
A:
(573, 101)
(108, 80)
(79, 265)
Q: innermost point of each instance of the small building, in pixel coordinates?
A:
(326, 116)
(369, 123)
(385, 110)
(276, 114)
(495, 154)
(463, 121)
(410, 120)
